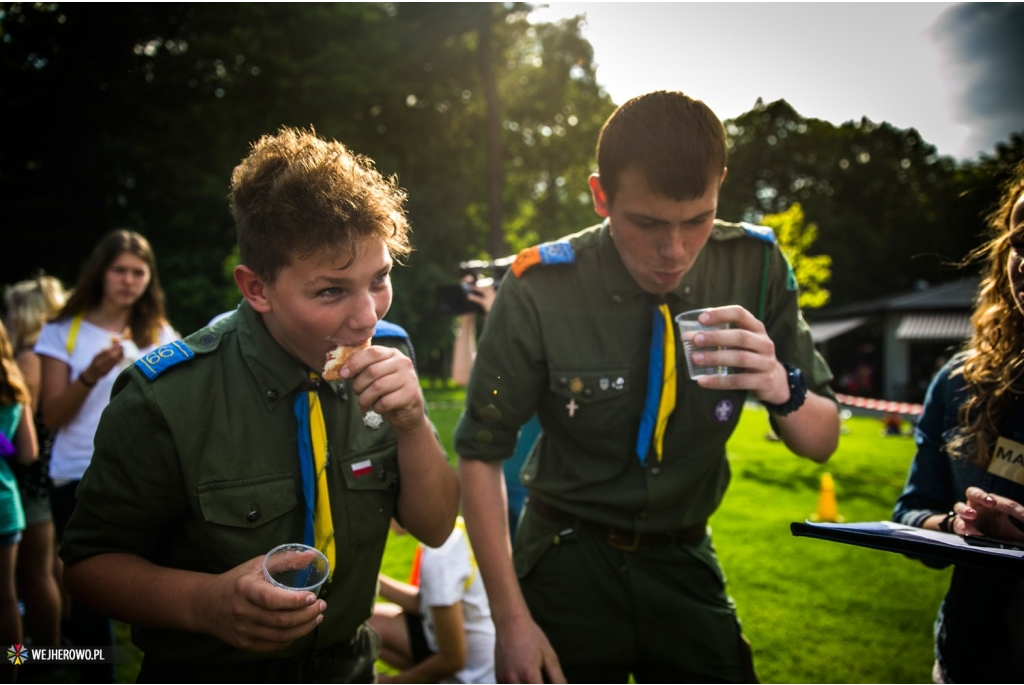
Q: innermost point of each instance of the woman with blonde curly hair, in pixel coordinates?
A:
(968, 473)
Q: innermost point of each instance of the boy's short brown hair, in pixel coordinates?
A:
(297, 194)
(675, 142)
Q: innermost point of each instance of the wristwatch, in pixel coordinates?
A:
(946, 524)
(797, 393)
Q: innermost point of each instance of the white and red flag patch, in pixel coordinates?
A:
(362, 468)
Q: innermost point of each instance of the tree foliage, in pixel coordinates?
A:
(134, 114)
(795, 239)
(890, 210)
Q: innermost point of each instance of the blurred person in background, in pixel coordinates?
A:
(438, 630)
(114, 316)
(17, 442)
(30, 304)
(970, 439)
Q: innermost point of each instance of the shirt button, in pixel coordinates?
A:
(655, 470)
(588, 392)
(254, 514)
(563, 381)
(208, 339)
(272, 395)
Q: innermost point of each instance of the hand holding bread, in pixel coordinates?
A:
(383, 379)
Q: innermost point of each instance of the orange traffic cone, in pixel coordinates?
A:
(828, 508)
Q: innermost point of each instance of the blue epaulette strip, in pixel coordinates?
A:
(760, 232)
(163, 358)
(559, 252)
(386, 329)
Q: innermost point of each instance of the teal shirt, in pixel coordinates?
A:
(198, 469)
(12, 516)
(571, 342)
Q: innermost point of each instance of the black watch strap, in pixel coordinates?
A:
(797, 393)
(946, 524)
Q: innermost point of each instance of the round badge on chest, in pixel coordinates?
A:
(724, 409)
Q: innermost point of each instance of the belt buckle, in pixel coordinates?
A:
(615, 542)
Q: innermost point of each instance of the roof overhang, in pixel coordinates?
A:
(934, 327)
(826, 330)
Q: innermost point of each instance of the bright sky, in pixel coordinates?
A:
(832, 61)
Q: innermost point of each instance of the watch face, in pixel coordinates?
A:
(797, 392)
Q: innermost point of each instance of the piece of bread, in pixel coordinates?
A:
(337, 357)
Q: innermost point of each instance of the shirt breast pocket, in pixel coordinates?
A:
(245, 518)
(370, 492)
(594, 403)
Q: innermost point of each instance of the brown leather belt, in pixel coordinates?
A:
(618, 538)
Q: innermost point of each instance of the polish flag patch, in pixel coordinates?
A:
(362, 468)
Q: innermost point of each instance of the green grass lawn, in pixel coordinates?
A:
(814, 611)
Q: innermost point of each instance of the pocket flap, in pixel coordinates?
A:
(250, 502)
(590, 385)
(371, 470)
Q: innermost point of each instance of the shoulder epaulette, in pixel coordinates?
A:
(558, 252)
(386, 329)
(764, 233)
(163, 358)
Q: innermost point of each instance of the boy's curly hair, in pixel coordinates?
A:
(297, 194)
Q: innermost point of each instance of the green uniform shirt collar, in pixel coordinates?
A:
(618, 282)
(277, 374)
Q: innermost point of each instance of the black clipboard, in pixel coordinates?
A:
(945, 548)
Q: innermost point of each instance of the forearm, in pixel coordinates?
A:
(450, 658)
(61, 399)
(402, 594)
(131, 589)
(485, 508)
(28, 363)
(812, 431)
(465, 349)
(25, 438)
(428, 500)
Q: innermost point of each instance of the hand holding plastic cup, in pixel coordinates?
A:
(296, 567)
(689, 326)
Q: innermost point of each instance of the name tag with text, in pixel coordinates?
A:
(1008, 460)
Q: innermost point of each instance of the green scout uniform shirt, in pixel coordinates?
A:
(578, 335)
(198, 469)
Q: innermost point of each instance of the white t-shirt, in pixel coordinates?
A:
(73, 444)
(448, 575)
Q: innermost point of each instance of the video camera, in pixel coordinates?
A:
(453, 300)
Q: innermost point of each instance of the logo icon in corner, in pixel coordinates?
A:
(17, 654)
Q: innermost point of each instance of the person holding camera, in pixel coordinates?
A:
(614, 572)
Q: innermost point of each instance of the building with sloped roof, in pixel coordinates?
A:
(890, 347)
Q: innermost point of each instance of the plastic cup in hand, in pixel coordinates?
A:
(689, 326)
(296, 567)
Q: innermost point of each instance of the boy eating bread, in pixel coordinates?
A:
(224, 445)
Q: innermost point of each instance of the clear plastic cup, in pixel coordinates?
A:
(689, 326)
(296, 567)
